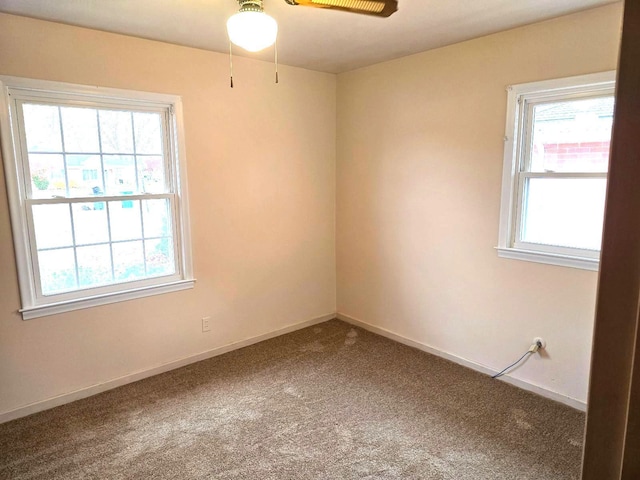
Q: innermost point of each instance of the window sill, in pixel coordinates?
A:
(583, 263)
(61, 307)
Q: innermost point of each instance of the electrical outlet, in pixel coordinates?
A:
(540, 341)
(206, 324)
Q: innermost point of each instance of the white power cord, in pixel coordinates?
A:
(537, 345)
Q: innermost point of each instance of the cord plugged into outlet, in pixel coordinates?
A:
(538, 344)
(541, 342)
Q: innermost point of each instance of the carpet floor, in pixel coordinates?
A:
(326, 402)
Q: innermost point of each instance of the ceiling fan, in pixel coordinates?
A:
(380, 8)
(253, 30)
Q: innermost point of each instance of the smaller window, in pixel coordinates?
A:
(556, 160)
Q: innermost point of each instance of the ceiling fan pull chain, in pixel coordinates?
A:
(231, 63)
(276, 59)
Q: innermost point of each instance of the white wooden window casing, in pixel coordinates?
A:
(518, 174)
(145, 220)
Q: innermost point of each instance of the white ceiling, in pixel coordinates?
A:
(313, 38)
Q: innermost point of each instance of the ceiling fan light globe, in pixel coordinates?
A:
(253, 31)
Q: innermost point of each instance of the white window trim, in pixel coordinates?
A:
(31, 307)
(603, 82)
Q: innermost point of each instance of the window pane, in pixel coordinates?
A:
(157, 220)
(47, 175)
(42, 127)
(148, 133)
(120, 174)
(151, 173)
(94, 265)
(90, 223)
(53, 226)
(125, 220)
(128, 261)
(116, 131)
(84, 175)
(159, 257)
(57, 271)
(80, 130)
(564, 212)
(572, 136)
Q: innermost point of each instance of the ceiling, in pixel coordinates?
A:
(313, 38)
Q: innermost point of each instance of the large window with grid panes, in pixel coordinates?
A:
(555, 170)
(97, 188)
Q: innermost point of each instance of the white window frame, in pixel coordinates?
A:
(518, 99)
(16, 89)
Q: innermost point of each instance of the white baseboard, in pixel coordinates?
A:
(134, 377)
(558, 397)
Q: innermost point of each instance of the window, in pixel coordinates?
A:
(97, 191)
(555, 170)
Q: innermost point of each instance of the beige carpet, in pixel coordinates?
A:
(327, 402)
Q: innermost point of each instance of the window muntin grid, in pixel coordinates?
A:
(91, 169)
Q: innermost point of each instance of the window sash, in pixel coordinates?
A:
(520, 219)
(525, 128)
(166, 131)
(80, 292)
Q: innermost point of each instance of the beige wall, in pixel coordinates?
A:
(261, 172)
(420, 149)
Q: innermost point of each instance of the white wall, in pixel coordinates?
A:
(420, 148)
(262, 201)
